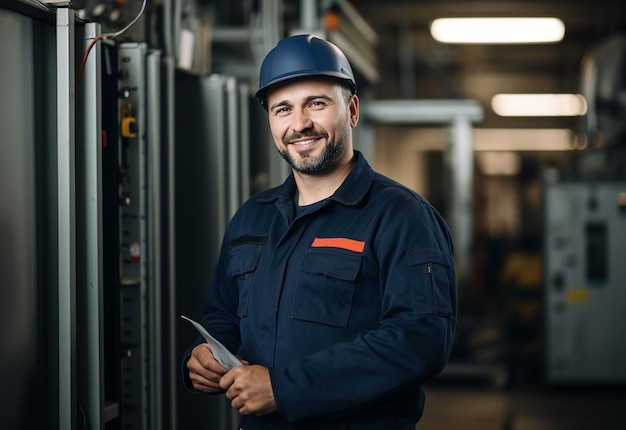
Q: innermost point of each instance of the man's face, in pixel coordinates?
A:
(311, 121)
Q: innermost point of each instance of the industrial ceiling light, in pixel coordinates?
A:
(539, 104)
(497, 30)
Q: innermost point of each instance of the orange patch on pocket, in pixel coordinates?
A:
(339, 242)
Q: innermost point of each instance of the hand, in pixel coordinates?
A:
(204, 370)
(249, 389)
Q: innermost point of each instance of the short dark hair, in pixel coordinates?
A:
(347, 92)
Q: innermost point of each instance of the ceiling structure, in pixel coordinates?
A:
(410, 64)
(413, 65)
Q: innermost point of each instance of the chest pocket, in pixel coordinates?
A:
(326, 287)
(243, 259)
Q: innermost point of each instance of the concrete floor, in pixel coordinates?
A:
(469, 407)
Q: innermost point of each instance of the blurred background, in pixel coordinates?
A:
(130, 136)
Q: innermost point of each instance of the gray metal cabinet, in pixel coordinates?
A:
(585, 281)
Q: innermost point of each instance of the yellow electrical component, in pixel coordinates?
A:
(578, 296)
(128, 124)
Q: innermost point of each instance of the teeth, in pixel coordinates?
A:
(304, 142)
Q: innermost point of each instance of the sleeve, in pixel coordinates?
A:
(413, 340)
(219, 312)
(220, 304)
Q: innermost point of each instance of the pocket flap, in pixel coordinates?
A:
(428, 255)
(242, 261)
(334, 264)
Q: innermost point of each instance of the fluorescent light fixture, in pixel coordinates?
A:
(539, 104)
(497, 30)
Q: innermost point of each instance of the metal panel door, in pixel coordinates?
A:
(585, 245)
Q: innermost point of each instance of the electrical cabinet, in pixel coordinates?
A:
(134, 281)
(140, 230)
(212, 159)
(585, 245)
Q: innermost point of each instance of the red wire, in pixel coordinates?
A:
(85, 55)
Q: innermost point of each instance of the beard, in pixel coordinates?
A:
(311, 165)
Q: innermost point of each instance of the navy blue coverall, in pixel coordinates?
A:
(351, 305)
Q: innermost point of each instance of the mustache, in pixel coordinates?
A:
(308, 133)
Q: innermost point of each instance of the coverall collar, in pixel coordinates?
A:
(349, 193)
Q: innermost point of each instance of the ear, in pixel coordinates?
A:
(353, 108)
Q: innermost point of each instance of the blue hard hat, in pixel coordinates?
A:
(301, 56)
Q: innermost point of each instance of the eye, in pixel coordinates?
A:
(281, 111)
(317, 104)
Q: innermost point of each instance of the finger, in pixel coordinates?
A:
(205, 376)
(227, 380)
(202, 378)
(205, 385)
(201, 383)
(205, 356)
(236, 403)
(196, 366)
(202, 356)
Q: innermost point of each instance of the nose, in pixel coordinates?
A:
(301, 120)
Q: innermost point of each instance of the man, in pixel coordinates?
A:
(337, 287)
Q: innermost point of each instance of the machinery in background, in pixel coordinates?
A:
(166, 206)
(138, 224)
(585, 237)
(213, 166)
(585, 244)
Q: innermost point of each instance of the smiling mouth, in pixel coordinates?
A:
(304, 142)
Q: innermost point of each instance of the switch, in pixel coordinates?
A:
(128, 122)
